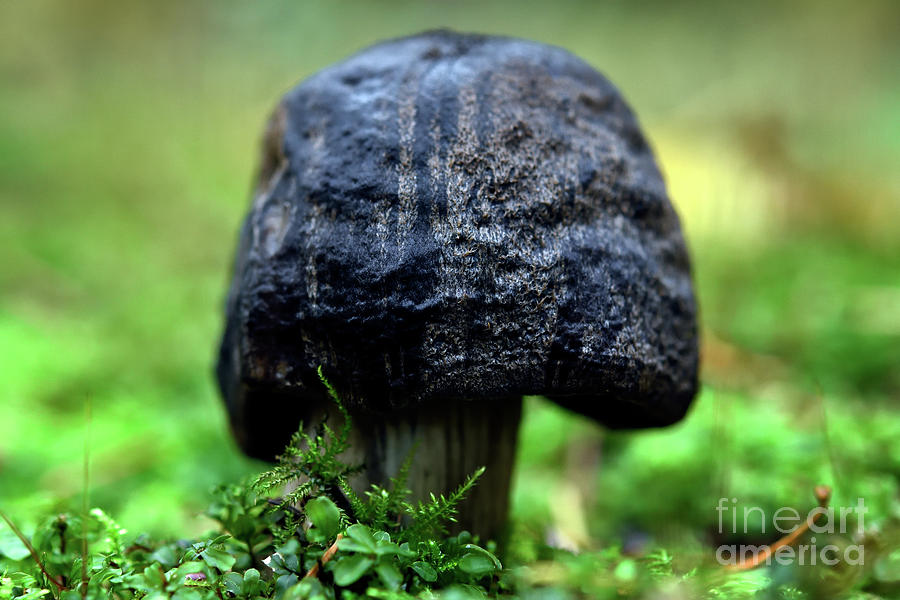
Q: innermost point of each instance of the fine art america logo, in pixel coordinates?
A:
(795, 547)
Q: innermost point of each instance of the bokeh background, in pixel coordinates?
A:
(128, 143)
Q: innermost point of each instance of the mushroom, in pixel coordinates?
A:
(447, 223)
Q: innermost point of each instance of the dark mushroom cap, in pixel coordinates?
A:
(453, 216)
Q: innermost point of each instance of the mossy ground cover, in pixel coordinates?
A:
(127, 146)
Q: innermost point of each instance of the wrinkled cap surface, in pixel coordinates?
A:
(457, 216)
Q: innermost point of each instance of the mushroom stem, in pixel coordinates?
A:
(452, 440)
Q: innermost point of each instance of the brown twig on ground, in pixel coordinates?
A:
(823, 496)
(329, 554)
(34, 555)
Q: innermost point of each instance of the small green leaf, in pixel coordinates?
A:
(219, 539)
(348, 545)
(285, 582)
(291, 562)
(186, 594)
(324, 516)
(291, 546)
(10, 544)
(482, 551)
(425, 571)
(308, 589)
(218, 559)
(151, 579)
(476, 564)
(165, 555)
(382, 536)
(387, 549)
(462, 592)
(389, 574)
(233, 582)
(361, 534)
(349, 569)
(252, 585)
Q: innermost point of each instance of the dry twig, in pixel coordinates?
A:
(329, 554)
(823, 495)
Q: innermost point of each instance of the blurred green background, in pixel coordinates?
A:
(128, 142)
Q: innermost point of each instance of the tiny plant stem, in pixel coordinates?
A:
(61, 527)
(85, 500)
(34, 555)
(823, 495)
(329, 554)
(826, 437)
